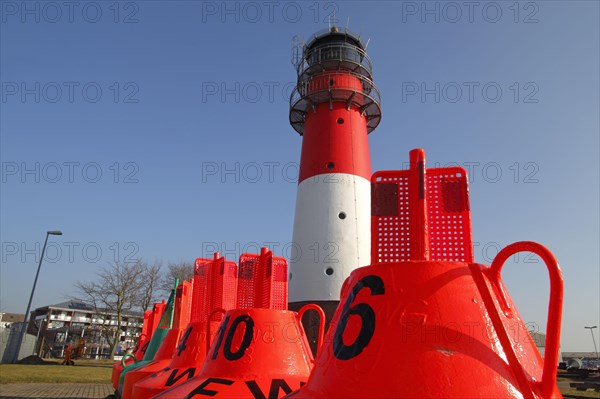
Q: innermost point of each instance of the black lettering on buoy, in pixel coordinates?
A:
(199, 390)
(367, 315)
(246, 340)
(181, 346)
(276, 385)
(220, 334)
(173, 377)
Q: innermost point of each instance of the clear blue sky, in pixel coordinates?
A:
(162, 97)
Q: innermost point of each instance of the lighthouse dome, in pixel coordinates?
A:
(334, 48)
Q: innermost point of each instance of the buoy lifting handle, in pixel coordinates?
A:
(321, 313)
(554, 307)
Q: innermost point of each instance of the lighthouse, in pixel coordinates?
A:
(334, 106)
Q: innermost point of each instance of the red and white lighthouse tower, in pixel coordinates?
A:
(334, 106)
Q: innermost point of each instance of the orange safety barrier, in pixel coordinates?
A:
(424, 321)
(260, 349)
(162, 358)
(151, 320)
(215, 285)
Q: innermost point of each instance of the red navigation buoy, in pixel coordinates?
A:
(181, 317)
(424, 321)
(215, 285)
(260, 349)
(151, 320)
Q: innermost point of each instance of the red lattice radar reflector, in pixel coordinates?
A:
(215, 287)
(262, 282)
(421, 214)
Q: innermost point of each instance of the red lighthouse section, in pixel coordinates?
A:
(260, 349)
(335, 133)
(215, 285)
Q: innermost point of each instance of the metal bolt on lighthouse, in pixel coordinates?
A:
(334, 106)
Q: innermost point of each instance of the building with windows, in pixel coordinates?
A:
(6, 319)
(68, 322)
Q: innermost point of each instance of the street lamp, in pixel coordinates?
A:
(24, 326)
(593, 339)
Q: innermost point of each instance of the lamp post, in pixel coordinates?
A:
(25, 321)
(593, 339)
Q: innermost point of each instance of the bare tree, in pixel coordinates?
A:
(118, 288)
(182, 271)
(152, 278)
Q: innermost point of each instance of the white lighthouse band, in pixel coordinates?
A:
(332, 233)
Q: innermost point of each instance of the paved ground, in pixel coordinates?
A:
(55, 391)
